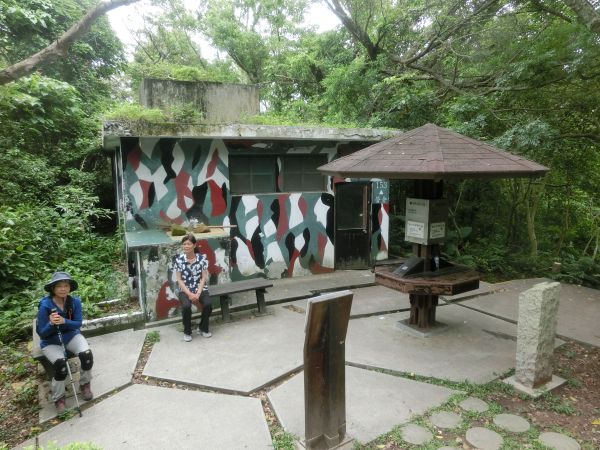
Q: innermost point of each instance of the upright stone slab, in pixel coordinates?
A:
(538, 311)
(324, 371)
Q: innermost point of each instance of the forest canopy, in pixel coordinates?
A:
(523, 76)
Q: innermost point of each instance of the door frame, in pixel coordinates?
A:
(366, 224)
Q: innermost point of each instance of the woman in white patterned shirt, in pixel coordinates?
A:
(192, 282)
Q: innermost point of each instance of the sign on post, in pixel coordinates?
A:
(324, 371)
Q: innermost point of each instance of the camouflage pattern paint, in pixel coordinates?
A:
(281, 234)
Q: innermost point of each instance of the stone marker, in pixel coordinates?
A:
(538, 311)
(324, 371)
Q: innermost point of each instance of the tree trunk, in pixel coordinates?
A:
(59, 47)
(586, 14)
(532, 201)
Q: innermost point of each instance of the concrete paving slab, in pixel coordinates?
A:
(115, 358)
(484, 439)
(512, 423)
(473, 404)
(475, 347)
(289, 289)
(375, 402)
(578, 314)
(371, 300)
(150, 417)
(416, 434)
(242, 356)
(445, 419)
(558, 441)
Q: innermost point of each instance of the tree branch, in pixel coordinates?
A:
(359, 33)
(59, 47)
(585, 13)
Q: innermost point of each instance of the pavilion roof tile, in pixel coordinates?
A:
(432, 152)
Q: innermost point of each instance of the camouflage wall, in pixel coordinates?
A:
(170, 180)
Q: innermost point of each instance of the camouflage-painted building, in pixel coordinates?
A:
(278, 216)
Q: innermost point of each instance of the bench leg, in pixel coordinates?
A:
(224, 299)
(260, 301)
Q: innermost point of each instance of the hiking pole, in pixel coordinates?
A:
(62, 343)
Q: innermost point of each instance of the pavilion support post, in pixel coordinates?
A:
(422, 310)
(423, 306)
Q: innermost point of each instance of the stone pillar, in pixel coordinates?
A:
(538, 312)
(324, 371)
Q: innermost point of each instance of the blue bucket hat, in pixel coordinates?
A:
(60, 276)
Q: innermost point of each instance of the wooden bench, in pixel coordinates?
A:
(223, 291)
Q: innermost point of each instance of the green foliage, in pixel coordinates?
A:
(218, 71)
(133, 111)
(584, 270)
(27, 394)
(153, 337)
(19, 365)
(282, 440)
(550, 401)
(45, 133)
(37, 240)
(251, 32)
(27, 26)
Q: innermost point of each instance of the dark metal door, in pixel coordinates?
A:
(352, 225)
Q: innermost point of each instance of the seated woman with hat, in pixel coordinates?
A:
(60, 311)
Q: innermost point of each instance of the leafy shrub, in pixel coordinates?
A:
(133, 111)
(187, 113)
(584, 270)
(38, 240)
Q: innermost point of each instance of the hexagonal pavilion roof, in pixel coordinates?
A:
(432, 152)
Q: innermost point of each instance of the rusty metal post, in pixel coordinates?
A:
(324, 371)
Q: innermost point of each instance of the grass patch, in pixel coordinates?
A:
(153, 337)
(282, 440)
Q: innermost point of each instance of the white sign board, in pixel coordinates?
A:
(437, 230)
(415, 229)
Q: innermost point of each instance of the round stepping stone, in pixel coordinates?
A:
(558, 441)
(474, 404)
(512, 423)
(445, 419)
(447, 448)
(415, 434)
(484, 439)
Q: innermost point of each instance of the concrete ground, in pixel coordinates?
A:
(578, 316)
(117, 354)
(365, 389)
(254, 353)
